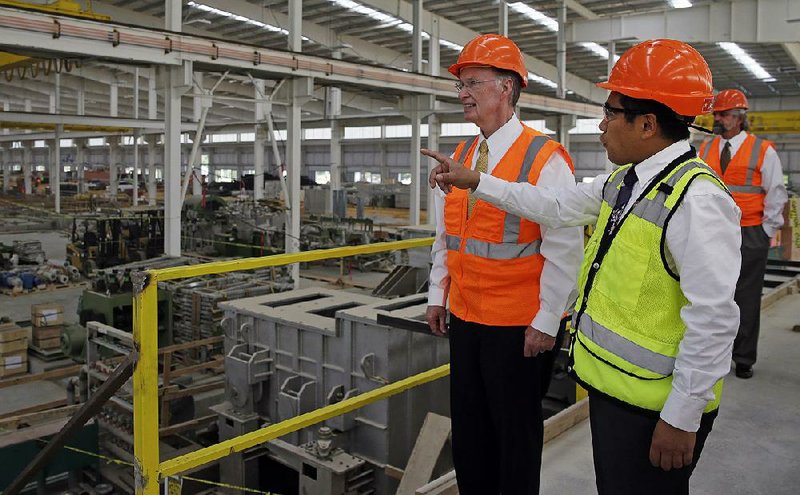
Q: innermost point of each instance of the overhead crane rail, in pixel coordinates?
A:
(148, 469)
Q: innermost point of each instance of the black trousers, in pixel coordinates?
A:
(621, 438)
(755, 248)
(496, 408)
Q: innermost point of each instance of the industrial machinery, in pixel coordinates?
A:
(103, 241)
(288, 354)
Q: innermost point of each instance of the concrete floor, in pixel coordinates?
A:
(755, 445)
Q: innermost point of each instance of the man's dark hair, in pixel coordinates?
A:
(673, 126)
(516, 83)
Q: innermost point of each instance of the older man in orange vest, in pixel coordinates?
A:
(751, 169)
(507, 279)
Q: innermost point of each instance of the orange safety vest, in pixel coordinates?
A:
(493, 257)
(743, 175)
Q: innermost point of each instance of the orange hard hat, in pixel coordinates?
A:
(730, 99)
(492, 50)
(667, 71)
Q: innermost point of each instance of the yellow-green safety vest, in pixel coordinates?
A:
(627, 324)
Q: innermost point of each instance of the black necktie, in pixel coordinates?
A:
(623, 197)
(725, 156)
(627, 188)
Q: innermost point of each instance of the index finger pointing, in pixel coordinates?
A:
(439, 157)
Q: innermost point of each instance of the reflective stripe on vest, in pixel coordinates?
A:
(504, 251)
(511, 224)
(624, 348)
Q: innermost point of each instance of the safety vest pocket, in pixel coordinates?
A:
(626, 265)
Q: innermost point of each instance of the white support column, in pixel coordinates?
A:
(6, 108)
(175, 86)
(80, 99)
(502, 15)
(113, 99)
(197, 184)
(152, 140)
(80, 163)
(295, 25)
(172, 15)
(383, 166)
(55, 177)
(27, 166)
(416, 36)
(113, 166)
(152, 96)
(612, 55)
(6, 161)
(416, 162)
(337, 133)
(136, 134)
(561, 51)
(260, 142)
(197, 103)
(434, 133)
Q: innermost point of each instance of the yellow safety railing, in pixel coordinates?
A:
(149, 471)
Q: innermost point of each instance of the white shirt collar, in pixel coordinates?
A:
(735, 141)
(647, 169)
(504, 137)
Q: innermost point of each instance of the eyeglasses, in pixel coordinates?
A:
(609, 112)
(470, 85)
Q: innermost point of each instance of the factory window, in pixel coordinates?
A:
(404, 131)
(159, 174)
(249, 171)
(224, 138)
(586, 126)
(40, 168)
(280, 135)
(369, 177)
(128, 140)
(97, 141)
(16, 168)
(539, 125)
(16, 144)
(204, 159)
(67, 168)
(404, 178)
(204, 170)
(247, 137)
(317, 133)
(226, 174)
(66, 143)
(371, 132)
(322, 176)
(461, 129)
(39, 143)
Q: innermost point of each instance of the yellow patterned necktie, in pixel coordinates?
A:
(481, 166)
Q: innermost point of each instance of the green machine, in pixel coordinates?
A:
(116, 310)
(14, 457)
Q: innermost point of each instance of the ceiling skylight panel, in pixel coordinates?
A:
(680, 4)
(534, 15)
(747, 61)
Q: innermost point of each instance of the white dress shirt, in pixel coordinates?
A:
(771, 182)
(562, 248)
(702, 240)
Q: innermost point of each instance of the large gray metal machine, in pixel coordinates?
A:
(293, 352)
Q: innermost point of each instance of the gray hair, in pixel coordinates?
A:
(516, 84)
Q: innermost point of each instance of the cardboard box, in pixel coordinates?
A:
(42, 333)
(12, 333)
(47, 315)
(790, 233)
(47, 344)
(13, 365)
(13, 346)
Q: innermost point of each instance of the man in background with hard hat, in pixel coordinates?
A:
(751, 169)
(507, 281)
(655, 319)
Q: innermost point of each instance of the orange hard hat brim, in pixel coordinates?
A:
(455, 69)
(681, 104)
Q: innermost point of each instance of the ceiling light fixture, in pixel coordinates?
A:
(747, 61)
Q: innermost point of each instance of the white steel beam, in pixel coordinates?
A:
(745, 21)
(94, 120)
(172, 160)
(581, 10)
(140, 45)
(459, 34)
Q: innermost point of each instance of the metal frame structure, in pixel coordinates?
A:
(149, 470)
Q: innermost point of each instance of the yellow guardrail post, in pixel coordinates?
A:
(145, 384)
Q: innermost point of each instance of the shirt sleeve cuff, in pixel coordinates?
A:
(436, 296)
(546, 322)
(489, 187)
(769, 230)
(683, 412)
